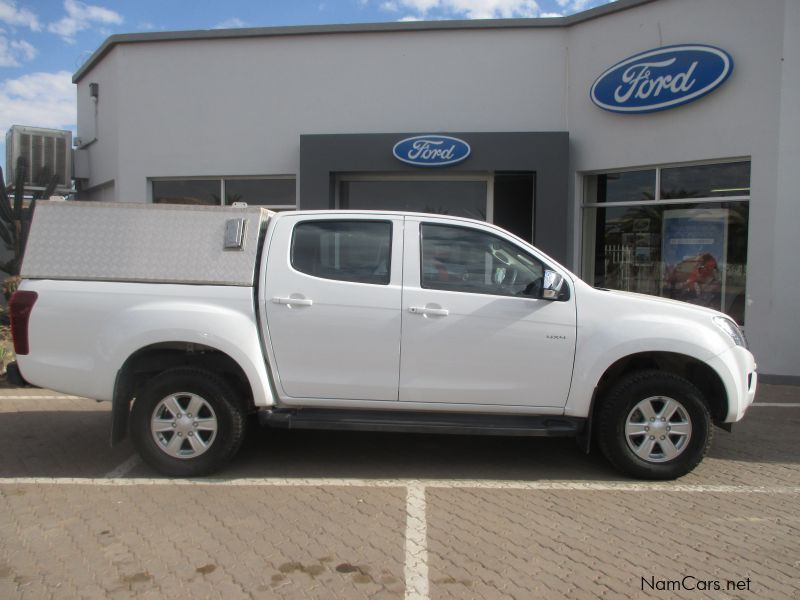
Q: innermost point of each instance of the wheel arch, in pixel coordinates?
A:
(697, 372)
(158, 357)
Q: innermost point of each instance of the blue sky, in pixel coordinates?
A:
(43, 42)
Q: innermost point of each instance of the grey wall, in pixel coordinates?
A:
(322, 156)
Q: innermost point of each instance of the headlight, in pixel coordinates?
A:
(732, 329)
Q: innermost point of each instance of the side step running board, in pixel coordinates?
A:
(422, 422)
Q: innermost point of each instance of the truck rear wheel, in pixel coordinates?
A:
(187, 422)
(654, 425)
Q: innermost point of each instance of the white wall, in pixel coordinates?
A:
(100, 121)
(238, 107)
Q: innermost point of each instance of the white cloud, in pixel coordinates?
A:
(573, 6)
(14, 52)
(232, 23)
(18, 17)
(483, 9)
(469, 9)
(38, 100)
(82, 16)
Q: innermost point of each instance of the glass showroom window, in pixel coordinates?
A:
(275, 193)
(186, 191)
(678, 232)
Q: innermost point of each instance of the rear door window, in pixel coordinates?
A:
(344, 250)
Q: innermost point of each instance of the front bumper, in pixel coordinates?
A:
(737, 369)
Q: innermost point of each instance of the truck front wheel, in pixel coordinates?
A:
(187, 422)
(654, 425)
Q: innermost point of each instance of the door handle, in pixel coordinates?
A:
(433, 312)
(293, 301)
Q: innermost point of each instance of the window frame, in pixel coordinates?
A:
(658, 199)
(388, 222)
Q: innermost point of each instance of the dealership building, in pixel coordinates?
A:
(648, 145)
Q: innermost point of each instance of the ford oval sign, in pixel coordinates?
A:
(431, 150)
(662, 78)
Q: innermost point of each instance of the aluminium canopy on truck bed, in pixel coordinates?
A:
(158, 243)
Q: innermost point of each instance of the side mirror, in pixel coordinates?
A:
(552, 286)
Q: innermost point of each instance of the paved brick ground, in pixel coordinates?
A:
(589, 544)
(157, 539)
(55, 438)
(71, 541)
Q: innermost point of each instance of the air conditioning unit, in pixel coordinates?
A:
(45, 151)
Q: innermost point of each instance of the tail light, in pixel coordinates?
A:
(20, 307)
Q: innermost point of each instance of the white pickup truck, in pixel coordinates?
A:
(188, 319)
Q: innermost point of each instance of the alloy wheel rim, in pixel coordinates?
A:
(184, 425)
(658, 429)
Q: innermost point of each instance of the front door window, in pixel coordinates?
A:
(459, 259)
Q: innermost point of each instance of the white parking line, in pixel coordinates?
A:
(124, 468)
(2, 397)
(493, 484)
(416, 570)
(777, 404)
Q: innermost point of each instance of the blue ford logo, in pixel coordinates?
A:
(662, 78)
(431, 150)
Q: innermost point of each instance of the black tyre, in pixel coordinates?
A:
(187, 422)
(654, 425)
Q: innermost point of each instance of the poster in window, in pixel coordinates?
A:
(643, 255)
(694, 244)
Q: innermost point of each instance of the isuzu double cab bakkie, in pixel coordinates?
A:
(187, 319)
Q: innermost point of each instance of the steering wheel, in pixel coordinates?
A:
(511, 277)
(533, 289)
(498, 255)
